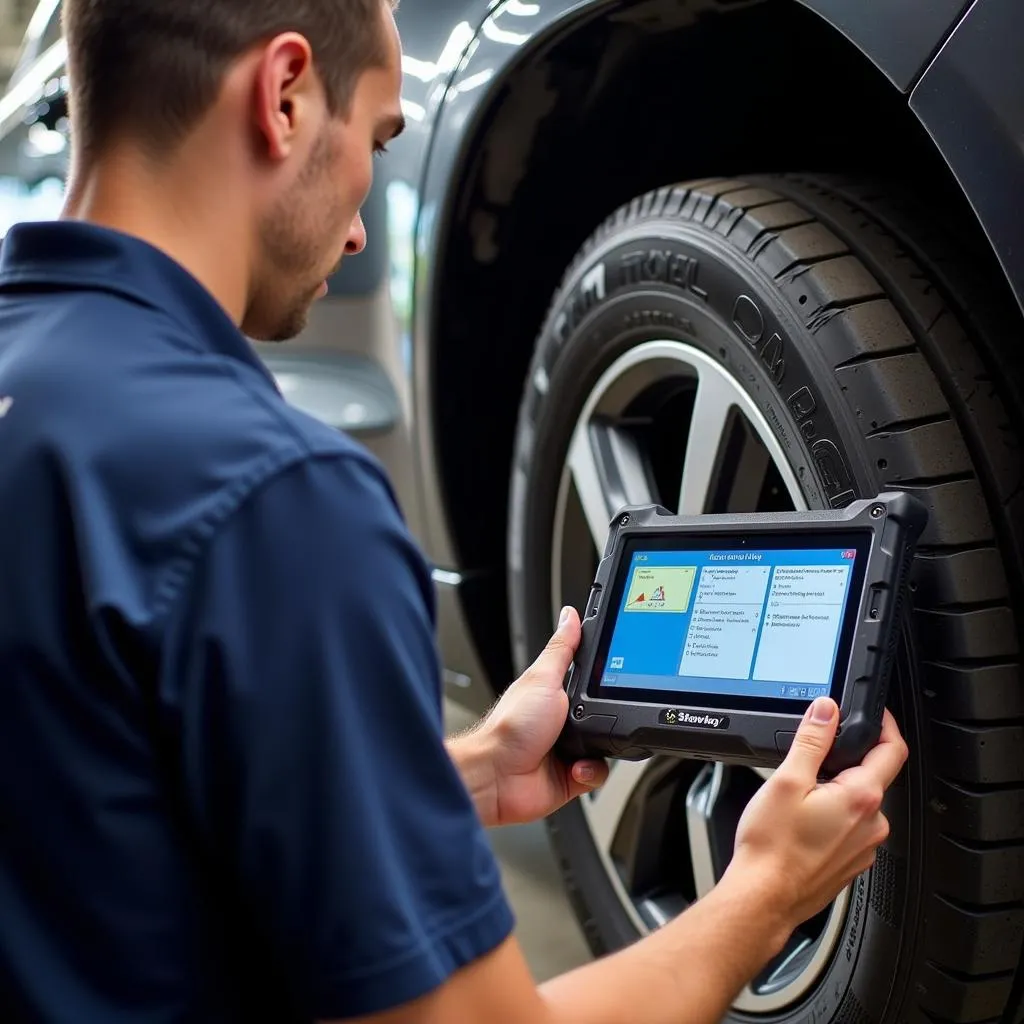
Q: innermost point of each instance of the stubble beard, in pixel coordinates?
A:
(288, 240)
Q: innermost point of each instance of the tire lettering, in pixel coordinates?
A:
(658, 318)
(834, 474)
(655, 266)
(664, 267)
(802, 405)
(560, 330)
(749, 319)
(588, 294)
(633, 267)
(593, 283)
(856, 918)
(772, 355)
(780, 427)
(683, 272)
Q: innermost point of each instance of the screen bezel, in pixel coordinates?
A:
(752, 540)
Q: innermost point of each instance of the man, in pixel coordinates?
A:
(226, 796)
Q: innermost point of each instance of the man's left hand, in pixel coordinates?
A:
(507, 760)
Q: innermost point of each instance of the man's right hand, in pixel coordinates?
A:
(801, 842)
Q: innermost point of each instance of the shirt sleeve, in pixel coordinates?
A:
(303, 681)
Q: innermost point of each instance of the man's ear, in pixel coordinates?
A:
(285, 89)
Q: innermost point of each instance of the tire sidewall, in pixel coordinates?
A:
(668, 281)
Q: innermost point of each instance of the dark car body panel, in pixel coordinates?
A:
(900, 38)
(971, 100)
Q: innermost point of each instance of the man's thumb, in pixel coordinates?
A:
(814, 738)
(553, 662)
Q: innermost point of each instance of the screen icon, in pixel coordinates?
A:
(616, 663)
(849, 554)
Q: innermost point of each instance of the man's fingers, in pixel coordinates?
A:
(554, 661)
(589, 774)
(585, 776)
(886, 758)
(813, 741)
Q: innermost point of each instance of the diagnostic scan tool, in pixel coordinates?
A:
(708, 636)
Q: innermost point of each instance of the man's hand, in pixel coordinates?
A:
(800, 842)
(507, 761)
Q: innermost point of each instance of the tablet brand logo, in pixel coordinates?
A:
(677, 716)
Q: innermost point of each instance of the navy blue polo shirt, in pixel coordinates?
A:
(224, 793)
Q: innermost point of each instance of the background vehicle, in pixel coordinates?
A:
(831, 301)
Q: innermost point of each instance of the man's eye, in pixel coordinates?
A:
(379, 150)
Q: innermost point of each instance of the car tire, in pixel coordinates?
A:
(861, 333)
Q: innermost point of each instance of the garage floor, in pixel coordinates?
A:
(547, 929)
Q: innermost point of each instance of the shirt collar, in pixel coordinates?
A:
(76, 255)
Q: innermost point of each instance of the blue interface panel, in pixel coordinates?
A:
(738, 623)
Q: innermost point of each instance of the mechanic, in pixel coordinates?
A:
(226, 792)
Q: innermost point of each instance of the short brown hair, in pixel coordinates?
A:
(154, 67)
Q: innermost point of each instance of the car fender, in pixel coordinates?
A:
(447, 96)
(899, 38)
(970, 101)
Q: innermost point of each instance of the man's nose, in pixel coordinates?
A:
(356, 237)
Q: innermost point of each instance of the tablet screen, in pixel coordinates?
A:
(752, 622)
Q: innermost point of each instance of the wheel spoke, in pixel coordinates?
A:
(701, 801)
(609, 470)
(748, 467)
(608, 804)
(713, 413)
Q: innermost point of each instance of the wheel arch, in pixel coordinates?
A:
(542, 136)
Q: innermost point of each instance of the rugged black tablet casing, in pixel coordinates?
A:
(628, 730)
